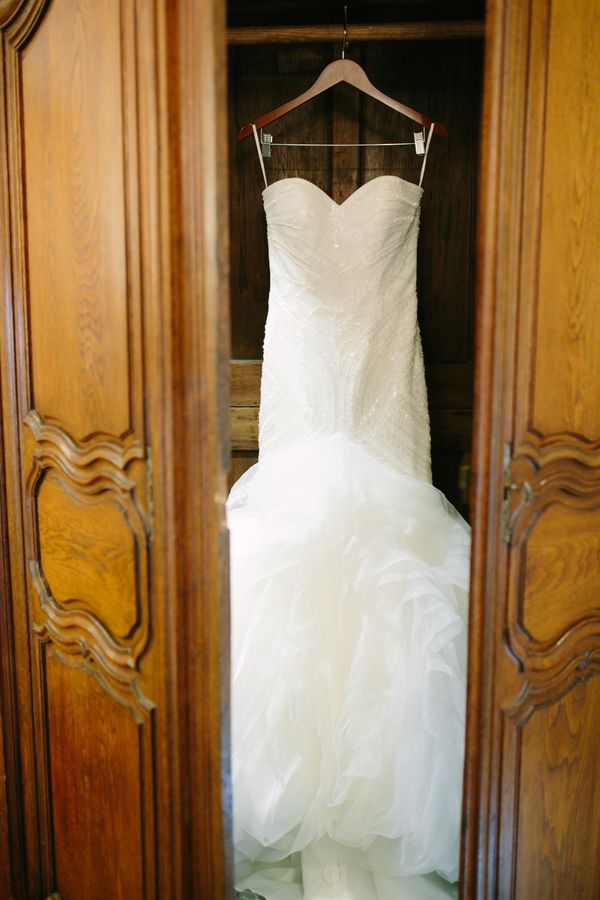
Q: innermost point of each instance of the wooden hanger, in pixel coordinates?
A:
(337, 71)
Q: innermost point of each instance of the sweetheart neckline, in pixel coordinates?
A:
(410, 184)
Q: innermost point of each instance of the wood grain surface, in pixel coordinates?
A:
(533, 752)
(94, 752)
(5, 867)
(561, 571)
(389, 31)
(88, 555)
(74, 185)
(558, 841)
(568, 326)
(114, 684)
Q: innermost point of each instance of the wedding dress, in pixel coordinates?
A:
(349, 572)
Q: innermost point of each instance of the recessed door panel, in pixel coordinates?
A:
(96, 774)
(561, 571)
(556, 837)
(567, 364)
(76, 232)
(89, 555)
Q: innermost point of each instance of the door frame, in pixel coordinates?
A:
(196, 191)
(492, 412)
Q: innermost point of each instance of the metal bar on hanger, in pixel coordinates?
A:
(266, 142)
(386, 144)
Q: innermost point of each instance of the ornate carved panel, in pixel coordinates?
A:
(553, 516)
(88, 539)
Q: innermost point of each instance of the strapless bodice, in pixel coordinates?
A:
(342, 349)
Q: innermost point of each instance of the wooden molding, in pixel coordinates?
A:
(389, 31)
(554, 469)
(8, 9)
(12, 853)
(20, 18)
(492, 423)
(81, 655)
(55, 443)
(540, 692)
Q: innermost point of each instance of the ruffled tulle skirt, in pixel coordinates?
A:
(349, 586)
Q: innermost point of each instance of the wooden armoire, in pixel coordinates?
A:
(130, 218)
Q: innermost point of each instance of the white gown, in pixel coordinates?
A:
(349, 572)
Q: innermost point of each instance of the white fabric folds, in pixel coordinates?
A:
(350, 584)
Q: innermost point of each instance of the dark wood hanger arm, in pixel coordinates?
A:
(350, 72)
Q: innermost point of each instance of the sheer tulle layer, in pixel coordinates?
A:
(349, 589)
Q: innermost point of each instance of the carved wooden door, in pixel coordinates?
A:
(533, 753)
(112, 683)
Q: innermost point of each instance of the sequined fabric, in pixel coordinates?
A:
(342, 350)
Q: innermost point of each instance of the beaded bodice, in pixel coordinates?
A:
(342, 349)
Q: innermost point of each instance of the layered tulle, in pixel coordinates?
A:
(349, 588)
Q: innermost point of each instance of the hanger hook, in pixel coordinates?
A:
(345, 42)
